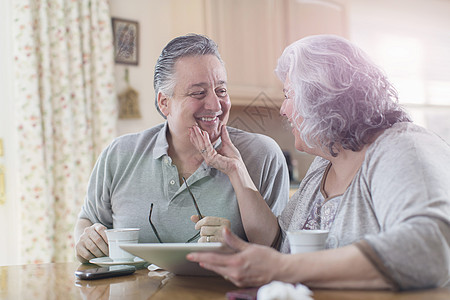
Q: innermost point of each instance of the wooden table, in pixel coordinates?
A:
(57, 281)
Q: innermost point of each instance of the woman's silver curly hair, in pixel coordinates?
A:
(342, 96)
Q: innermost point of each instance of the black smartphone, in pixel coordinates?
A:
(104, 272)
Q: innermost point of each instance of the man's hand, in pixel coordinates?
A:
(210, 228)
(92, 242)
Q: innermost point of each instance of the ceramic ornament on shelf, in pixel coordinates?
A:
(129, 102)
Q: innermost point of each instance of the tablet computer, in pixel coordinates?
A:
(172, 256)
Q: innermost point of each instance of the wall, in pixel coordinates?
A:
(160, 21)
(266, 119)
(155, 32)
(157, 26)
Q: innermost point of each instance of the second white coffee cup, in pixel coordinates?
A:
(302, 241)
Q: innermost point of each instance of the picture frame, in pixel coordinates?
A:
(126, 41)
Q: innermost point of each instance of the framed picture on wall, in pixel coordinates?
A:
(126, 41)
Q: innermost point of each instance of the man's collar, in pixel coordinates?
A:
(161, 145)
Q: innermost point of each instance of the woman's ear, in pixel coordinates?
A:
(163, 104)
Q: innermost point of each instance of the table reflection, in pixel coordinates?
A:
(141, 285)
(58, 281)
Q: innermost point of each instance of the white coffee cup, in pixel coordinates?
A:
(302, 241)
(119, 236)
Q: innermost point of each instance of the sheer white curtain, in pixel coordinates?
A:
(66, 111)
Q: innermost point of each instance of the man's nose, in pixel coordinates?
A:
(212, 102)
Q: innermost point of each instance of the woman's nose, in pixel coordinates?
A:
(283, 108)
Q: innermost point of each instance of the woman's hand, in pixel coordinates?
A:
(226, 159)
(210, 228)
(252, 206)
(252, 265)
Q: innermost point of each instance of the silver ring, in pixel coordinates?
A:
(208, 238)
(203, 151)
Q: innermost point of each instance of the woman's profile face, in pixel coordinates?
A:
(287, 110)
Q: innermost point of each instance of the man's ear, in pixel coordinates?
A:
(163, 103)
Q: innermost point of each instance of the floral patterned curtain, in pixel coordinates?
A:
(66, 114)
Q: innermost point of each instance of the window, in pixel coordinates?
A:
(411, 41)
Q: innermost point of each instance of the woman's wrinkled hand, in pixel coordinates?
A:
(226, 159)
(251, 265)
(211, 228)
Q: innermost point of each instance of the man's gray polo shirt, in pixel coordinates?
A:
(135, 171)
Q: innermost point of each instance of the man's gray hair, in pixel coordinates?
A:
(182, 46)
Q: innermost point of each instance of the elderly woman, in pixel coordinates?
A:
(379, 184)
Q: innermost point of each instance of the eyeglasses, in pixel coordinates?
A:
(196, 208)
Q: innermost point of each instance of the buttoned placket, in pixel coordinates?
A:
(170, 178)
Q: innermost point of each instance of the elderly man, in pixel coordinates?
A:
(146, 170)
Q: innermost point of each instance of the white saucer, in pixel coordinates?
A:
(106, 262)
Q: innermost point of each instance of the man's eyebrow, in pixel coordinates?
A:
(200, 84)
(203, 84)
